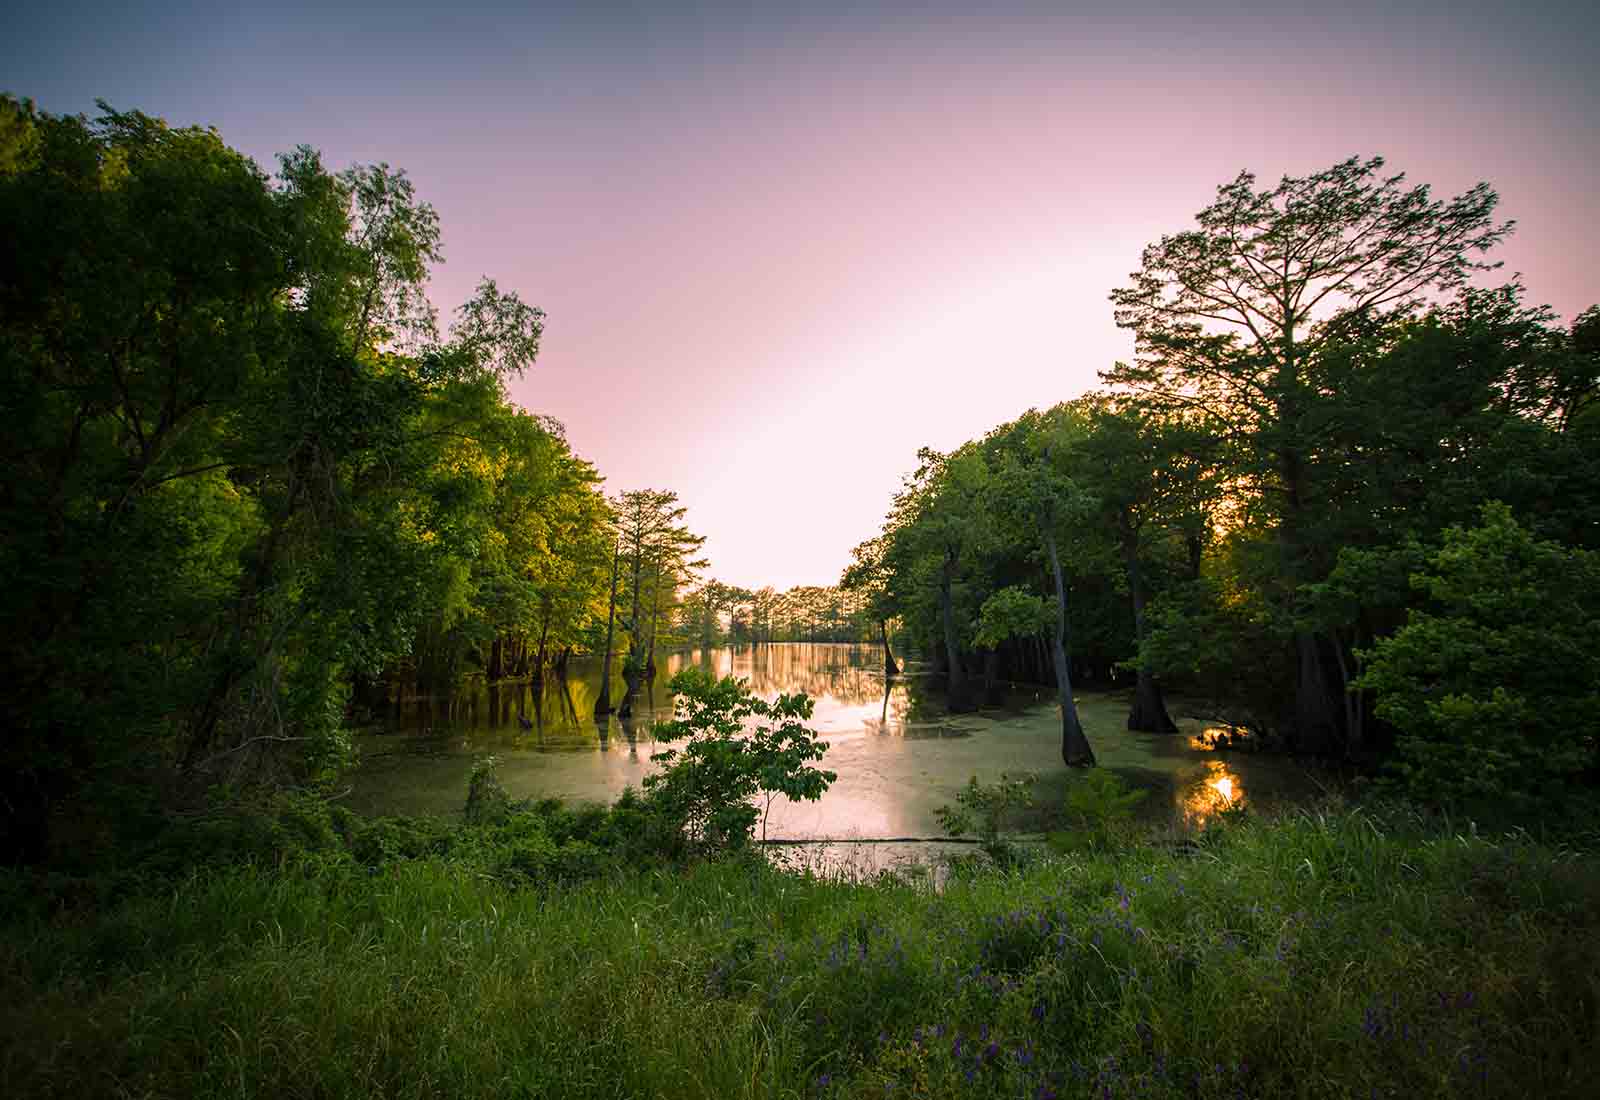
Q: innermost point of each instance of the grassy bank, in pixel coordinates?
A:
(1335, 953)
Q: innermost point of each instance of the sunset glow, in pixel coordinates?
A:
(825, 227)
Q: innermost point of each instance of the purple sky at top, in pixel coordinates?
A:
(782, 246)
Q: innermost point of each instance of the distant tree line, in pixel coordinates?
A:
(717, 614)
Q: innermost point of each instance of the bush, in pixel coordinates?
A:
(487, 801)
(985, 810)
(740, 748)
(1494, 689)
(1101, 806)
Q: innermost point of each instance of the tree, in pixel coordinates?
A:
(935, 530)
(653, 538)
(739, 746)
(602, 703)
(1037, 491)
(1154, 476)
(1233, 320)
(227, 410)
(1493, 684)
(868, 576)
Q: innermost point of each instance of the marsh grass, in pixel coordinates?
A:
(1321, 954)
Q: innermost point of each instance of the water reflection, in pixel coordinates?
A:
(1214, 789)
(1219, 737)
(845, 682)
(898, 755)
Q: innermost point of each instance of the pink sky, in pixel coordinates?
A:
(780, 253)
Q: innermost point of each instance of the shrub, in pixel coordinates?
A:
(1494, 688)
(1100, 805)
(487, 801)
(984, 810)
(740, 747)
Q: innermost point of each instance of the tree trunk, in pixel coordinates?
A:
(633, 668)
(655, 616)
(602, 703)
(494, 671)
(1149, 713)
(992, 693)
(1195, 548)
(544, 635)
(889, 667)
(956, 701)
(1315, 719)
(1354, 704)
(1075, 749)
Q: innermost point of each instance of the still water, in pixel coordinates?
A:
(898, 755)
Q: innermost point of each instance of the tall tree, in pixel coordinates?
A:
(936, 531)
(1234, 318)
(220, 391)
(867, 575)
(1037, 492)
(652, 532)
(602, 703)
(1153, 477)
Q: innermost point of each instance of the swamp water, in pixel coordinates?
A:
(899, 756)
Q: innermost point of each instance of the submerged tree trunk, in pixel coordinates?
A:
(1075, 749)
(992, 693)
(1354, 704)
(1316, 721)
(544, 635)
(889, 667)
(1315, 718)
(655, 616)
(602, 703)
(956, 700)
(1149, 713)
(633, 667)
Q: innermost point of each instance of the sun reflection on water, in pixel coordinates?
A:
(1217, 789)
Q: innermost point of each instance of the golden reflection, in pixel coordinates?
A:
(1218, 737)
(1214, 790)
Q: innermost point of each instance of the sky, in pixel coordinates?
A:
(782, 246)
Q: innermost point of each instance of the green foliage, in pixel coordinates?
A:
(487, 801)
(1493, 687)
(1100, 805)
(986, 809)
(245, 476)
(1317, 394)
(1221, 639)
(739, 747)
(1333, 953)
(1012, 612)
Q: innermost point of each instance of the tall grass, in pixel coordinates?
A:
(1322, 954)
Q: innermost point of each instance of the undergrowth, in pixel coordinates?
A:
(1337, 953)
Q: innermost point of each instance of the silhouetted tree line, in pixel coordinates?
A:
(1344, 497)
